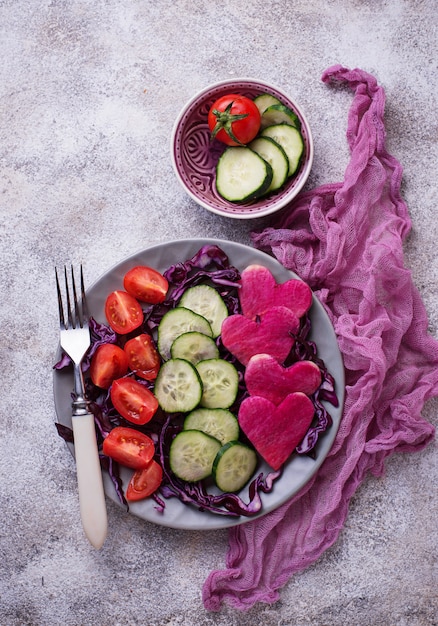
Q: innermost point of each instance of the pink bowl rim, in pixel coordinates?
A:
(282, 200)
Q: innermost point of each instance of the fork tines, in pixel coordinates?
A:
(78, 315)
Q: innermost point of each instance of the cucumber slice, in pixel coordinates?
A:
(178, 387)
(290, 140)
(279, 114)
(194, 347)
(265, 100)
(218, 423)
(206, 301)
(274, 154)
(233, 466)
(242, 175)
(220, 382)
(177, 322)
(191, 455)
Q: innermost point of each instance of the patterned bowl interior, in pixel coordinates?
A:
(194, 155)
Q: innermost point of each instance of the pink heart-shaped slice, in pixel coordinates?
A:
(272, 334)
(275, 431)
(259, 291)
(265, 377)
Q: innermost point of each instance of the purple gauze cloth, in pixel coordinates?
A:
(345, 240)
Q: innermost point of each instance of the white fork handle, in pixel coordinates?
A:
(90, 483)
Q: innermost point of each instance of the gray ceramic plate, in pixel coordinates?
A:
(298, 470)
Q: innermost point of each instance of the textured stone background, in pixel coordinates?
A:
(89, 91)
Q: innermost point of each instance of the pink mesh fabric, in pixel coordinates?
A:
(345, 240)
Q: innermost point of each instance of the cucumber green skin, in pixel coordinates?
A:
(279, 114)
(188, 468)
(265, 100)
(261, 145)
(256, 193)
(266, 184)
(222, 478)
(294, 158)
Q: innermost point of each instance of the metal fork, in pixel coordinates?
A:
(75, 341)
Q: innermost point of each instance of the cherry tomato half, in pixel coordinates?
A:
(144, 482)
(108, 363)
(234, 119)
(123, 312)
(146, 284)
(129, 447)
(143, 358)
(133, 400)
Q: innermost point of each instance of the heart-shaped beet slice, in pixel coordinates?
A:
(265, 377)
(275, 431)
(259, 291)
(272, 334)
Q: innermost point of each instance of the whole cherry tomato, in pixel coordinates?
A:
(234, 119)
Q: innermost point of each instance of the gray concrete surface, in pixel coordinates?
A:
(88, 95)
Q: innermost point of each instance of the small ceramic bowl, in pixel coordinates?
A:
(194, 155)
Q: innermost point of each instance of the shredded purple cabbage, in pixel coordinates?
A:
(208, 256)
(64, 432)
(113, 470)
(209, 264)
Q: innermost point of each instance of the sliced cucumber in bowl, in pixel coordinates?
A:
(279, 114)
(274, 154)
(242, 175)
(265, 100)
(290, 140)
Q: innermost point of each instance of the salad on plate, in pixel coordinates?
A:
(205, 383)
